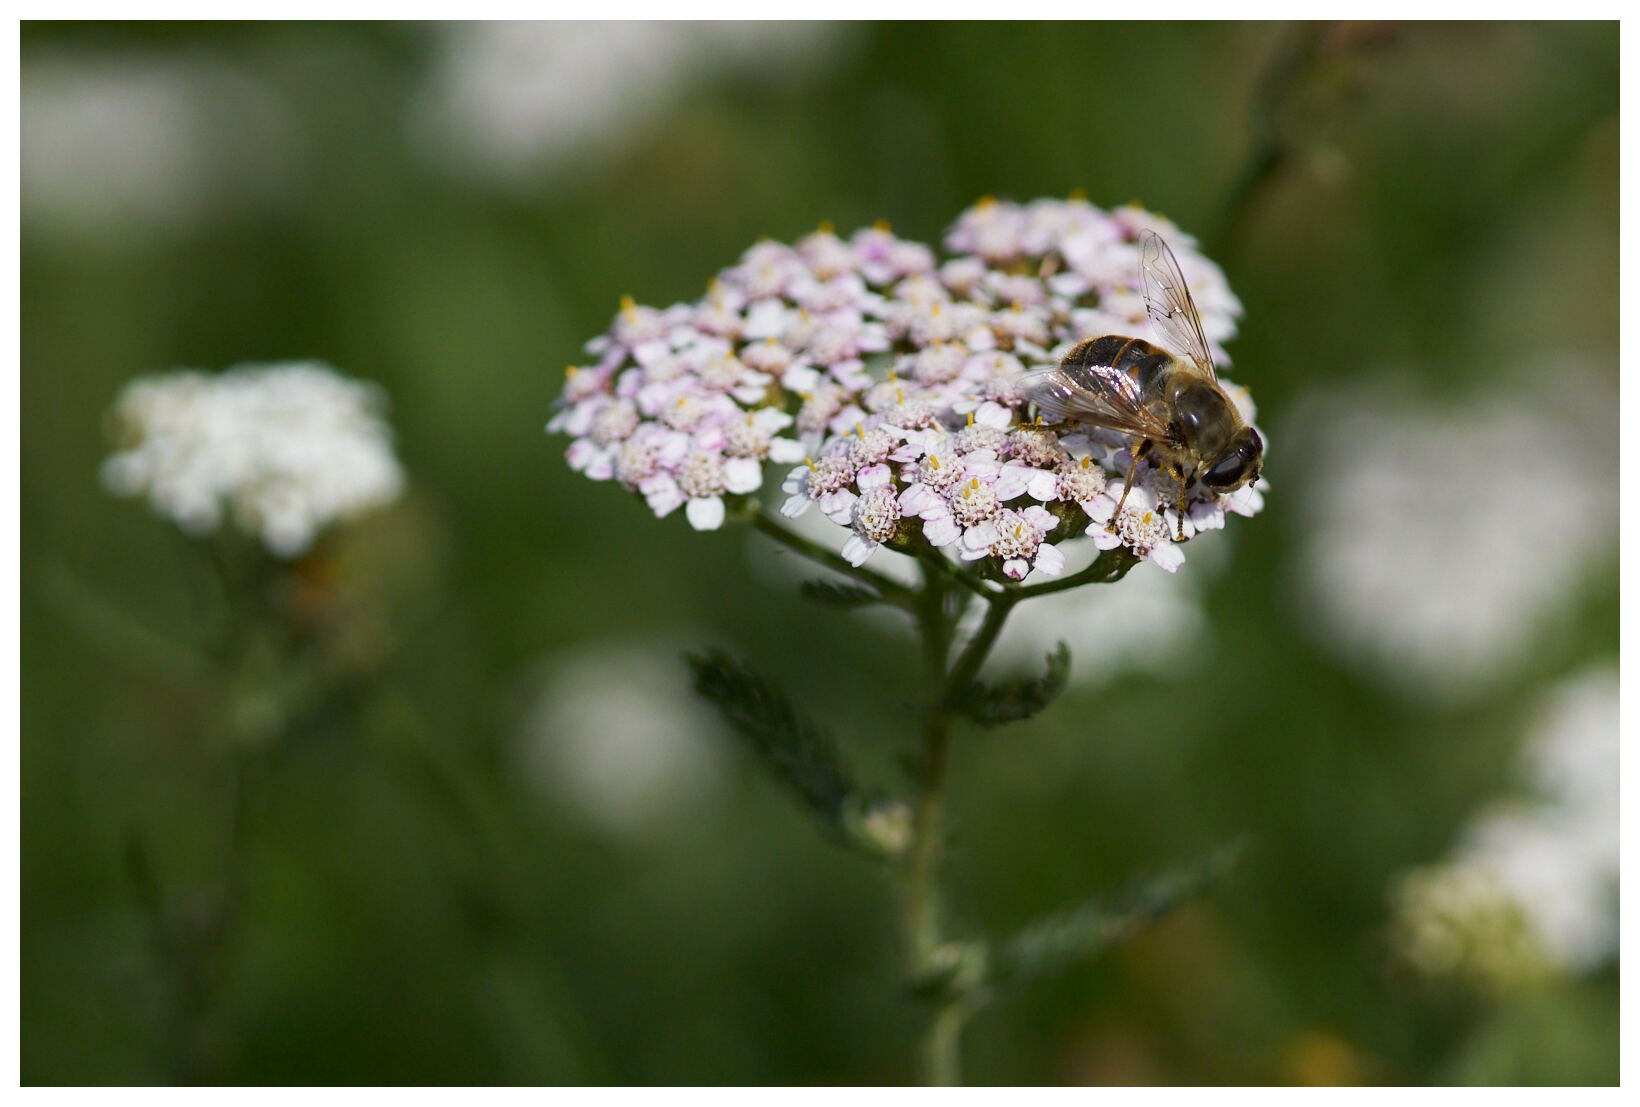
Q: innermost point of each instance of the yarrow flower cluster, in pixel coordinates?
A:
(282, 450)
(885, 381)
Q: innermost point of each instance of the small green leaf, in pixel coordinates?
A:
(796, 751)
(1060, 940)
(993, 705)
(837, 594)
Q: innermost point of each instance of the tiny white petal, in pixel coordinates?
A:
(838, 506)
(1207, 516)
(1100, 509)
(993, 414)
(771, 419)
(858, 549)
(742, 474)
(941, 531)
(918, 498)
(796, 505)
(1016, 567)
(801, 378)
(980, 537)
(1040, 518)
(783, 450)
(646, 353)
(1049, 561)
(705, 513)
(1012, 482)
(873, 476)
(1168, 556)
(1044, 485)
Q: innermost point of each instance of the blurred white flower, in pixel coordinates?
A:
(130, 146)
(1441, 540)
(1531, 885)
(281, 450)
(508, 102)
(617, 732)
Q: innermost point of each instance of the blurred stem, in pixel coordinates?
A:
(195, 944)
(1271, 151)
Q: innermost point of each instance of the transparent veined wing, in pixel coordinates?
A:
(1167, 298)
(1096, 394)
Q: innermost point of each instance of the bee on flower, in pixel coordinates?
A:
(894, 390)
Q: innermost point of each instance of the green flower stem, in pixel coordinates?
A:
(1109, 567)
(943, 971)
(932, 559)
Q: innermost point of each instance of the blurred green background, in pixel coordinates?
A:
(506, 847)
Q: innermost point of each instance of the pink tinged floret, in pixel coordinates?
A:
(1012, 481)
(767, 356)
(1207, 515)
(873, 476)
(826, 254)
(921, 500)
(837, 506)
(852, 374)
(662, 494)
(1040, 519)
(596, 462)
(962, 274)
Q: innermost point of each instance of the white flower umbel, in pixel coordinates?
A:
(1532, 885)
(281, 451)
(893, 379)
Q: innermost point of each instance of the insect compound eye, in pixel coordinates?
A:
(1229, 469)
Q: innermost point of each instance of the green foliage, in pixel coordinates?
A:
(1014, 700)
(796, 751)
(1082, 932)
(837, 594)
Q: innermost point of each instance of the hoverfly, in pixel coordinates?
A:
(1168, 400)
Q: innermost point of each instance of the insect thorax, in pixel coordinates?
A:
(1203, 414)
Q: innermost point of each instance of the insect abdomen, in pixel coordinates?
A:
(1131, 355)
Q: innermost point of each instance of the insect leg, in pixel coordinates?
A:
(1140, 449)
(1179, 504)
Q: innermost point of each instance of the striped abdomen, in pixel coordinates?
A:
(1134, 356)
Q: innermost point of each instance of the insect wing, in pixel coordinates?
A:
(1095, 394)
(1167, 298)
